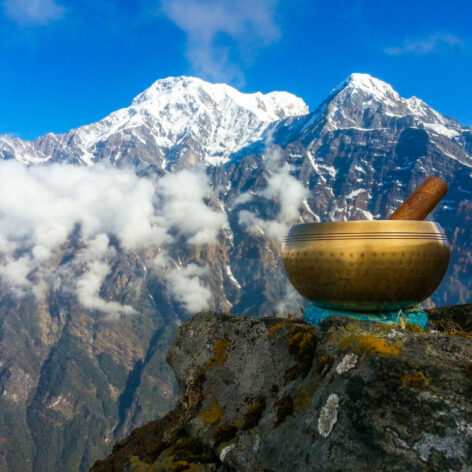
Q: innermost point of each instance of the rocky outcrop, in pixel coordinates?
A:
(273, 394)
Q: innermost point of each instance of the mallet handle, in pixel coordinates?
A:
(422, 201)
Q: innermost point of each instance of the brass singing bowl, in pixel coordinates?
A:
(370, 266)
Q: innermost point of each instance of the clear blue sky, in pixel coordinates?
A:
(68, 63)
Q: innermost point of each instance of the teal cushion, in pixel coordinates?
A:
(314, 315)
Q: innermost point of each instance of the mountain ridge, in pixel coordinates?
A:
(165, 110)
(269, 109)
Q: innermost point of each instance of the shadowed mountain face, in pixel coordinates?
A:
(113, 233)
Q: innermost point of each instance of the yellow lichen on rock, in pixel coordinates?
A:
(137, 465)
(301, 338)
(414, 328)
(180, 466)
(276, 327)
(254, 414)
(220, 352)
(371, 344)
(417, 380)
(224, 433)
(305, 394)
(460, 334)
(213, 414)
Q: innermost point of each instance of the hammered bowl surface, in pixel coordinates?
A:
(377, 265)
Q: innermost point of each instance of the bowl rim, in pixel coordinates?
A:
(373, 223)
(373, 228)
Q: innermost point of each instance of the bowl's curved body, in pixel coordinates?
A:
(366, 265)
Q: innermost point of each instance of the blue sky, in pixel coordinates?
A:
(68, 63)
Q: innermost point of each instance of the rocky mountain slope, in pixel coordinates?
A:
(273, 394)
(114, 233)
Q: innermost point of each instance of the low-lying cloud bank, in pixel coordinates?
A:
(101, 210)
(41, 206)
(282, 187)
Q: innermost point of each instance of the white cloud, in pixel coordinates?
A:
(41, 206)
(33, 12)
(244, 23)
(179, 197)
(242, 198)
(187, 287)
(95, 257)
(185, 284)
(290, 301)
(15, 271)
(283, 188)
(431, 44)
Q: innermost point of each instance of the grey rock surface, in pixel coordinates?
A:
(275, 394)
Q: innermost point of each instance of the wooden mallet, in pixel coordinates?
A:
(422, 201)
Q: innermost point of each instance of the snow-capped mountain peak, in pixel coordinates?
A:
(181, 121)
(370, 85)
(364, 102)
(177, 121)
(266, 107)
